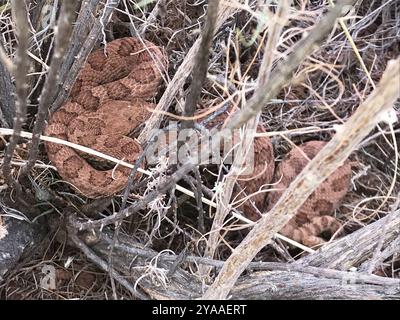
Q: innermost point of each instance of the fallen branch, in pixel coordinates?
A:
(7, 89)
(283, 285)
(282, 281)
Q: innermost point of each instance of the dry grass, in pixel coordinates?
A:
(324, 92)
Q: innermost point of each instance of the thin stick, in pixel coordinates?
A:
(7, 102)
(20, 71)
(62, 36)
(357, 247)
(199, 70)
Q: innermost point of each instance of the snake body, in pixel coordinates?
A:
(110, 99)
(107, 102)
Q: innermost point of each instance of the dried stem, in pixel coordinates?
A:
(7, 89)
(357, 247)
(158, 7)
(324, 164)
(104, 266)
(83, 25)
(199, 70)
(62, 35)
(20, 73)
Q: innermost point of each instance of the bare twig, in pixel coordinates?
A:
(20, 73)
(377, 255)
(83, 25)
(199, 70)
(199, 196)
(282, 285)
(103, 265)
(6, 61)
(158, 7)
(196, 186)
(62, 35)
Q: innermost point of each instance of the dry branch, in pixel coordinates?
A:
(7, 102)
(20, 74)
(283, 285)
(104, 266)
(325, 163)
(159, 7)
(83, 25)
(62, 35)
(199, 71)
(282, 281)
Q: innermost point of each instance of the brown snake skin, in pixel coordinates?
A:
(108, 101)
(313, 217)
